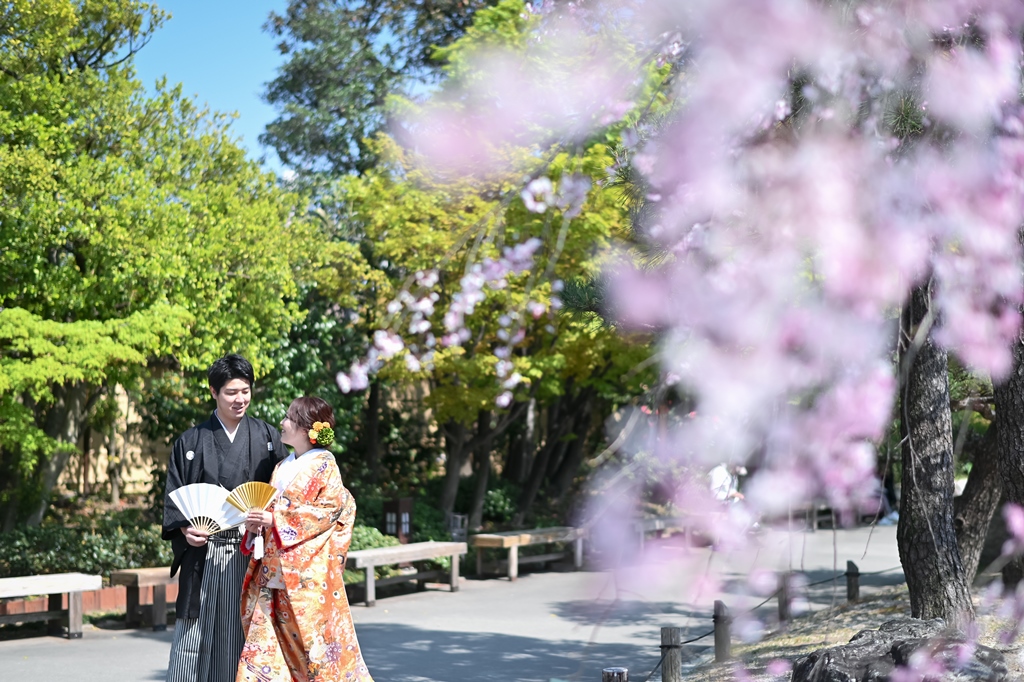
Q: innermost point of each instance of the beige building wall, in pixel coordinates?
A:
(130, 456)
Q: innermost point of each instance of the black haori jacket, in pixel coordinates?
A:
(194, 459)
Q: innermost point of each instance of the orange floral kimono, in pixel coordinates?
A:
(295, 614)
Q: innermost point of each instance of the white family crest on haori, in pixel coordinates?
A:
(206, 507)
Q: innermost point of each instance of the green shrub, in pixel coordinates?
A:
(500, 503)
(98, 549)
(367, 537)
(369, 508)
(121, 540)
(428, 523)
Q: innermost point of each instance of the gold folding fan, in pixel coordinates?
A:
(252, 495)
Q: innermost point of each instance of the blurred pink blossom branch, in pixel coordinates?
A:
(812, 166)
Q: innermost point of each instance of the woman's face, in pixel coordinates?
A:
(291, 433)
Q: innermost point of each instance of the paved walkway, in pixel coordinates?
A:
(546, 626)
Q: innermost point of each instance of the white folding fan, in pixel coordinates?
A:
(206, 507)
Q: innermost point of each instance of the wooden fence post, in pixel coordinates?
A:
(615, 675)
(852, 582)
(785, 598)
(723, 651)
(672, 653)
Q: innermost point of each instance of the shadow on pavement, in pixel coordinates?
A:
(401, 653)
(623, 612)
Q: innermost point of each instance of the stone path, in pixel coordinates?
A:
(546, 626)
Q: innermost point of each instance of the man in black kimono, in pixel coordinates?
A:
(227, 449)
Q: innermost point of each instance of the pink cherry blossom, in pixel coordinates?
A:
(538, 195)
(1014, 516)
(811, 167)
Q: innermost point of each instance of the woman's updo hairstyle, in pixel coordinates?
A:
(308, 410)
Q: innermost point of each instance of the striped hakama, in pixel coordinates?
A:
(207, 648)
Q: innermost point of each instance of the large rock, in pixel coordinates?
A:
(872, 655)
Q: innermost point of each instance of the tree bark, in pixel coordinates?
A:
(458, 447)
(973, 510)
(63, 423)
(83, 484)
(1009, 396)
(11, 508)
(373, 431)
(557, 426)
(114, 467)
(927, 542)
(455, 441)
(518, 462)
(482, 456)
(563, 478)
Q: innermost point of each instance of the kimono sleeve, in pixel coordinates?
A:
(174, 520)
(301, 514)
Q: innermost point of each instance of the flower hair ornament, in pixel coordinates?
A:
(321, 434)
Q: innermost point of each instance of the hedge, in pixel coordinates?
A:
(123, 540)
(106, 545)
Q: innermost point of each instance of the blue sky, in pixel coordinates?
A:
(220, 53)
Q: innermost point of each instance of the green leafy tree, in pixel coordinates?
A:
(135, 237)
(344, 59)
(395, 220)
(571, 367)
(315, 349)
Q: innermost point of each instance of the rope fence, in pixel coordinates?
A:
(671, 661)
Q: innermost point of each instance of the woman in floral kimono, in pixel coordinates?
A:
(294, 610)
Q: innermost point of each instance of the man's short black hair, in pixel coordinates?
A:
(229, 367)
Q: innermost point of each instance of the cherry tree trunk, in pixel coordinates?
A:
(1010, 444)
(972, 511)
(522, 445)
(455, 442)
(556, 427)
(482, 463)
(927, 541)
(372, 433)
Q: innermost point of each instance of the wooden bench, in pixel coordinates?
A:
(369, 559)
(133, 579)
(512, 540)
(820, 512)
(659, 524)
(56, 586)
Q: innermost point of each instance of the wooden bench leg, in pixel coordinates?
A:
(479, 561)
(454, 575)
(513, 563)
(132, 617)
(371, 586)
(55, 626)
(75, 615)
(577, 559)
(159, 608)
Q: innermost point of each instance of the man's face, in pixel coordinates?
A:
(233, 399)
